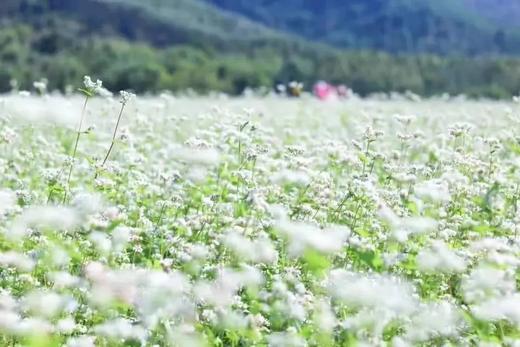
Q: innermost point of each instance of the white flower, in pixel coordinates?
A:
(434, 320)
(292, 176)
(40, 86)
(66, 325)
(45, 304)
(53, 217)
(9, 321)
(120, 238)
(125, 97)
(121, 328)
(91, 86)
(303, 236)
(372, 291)
(258, 251)
(440, 258)
(197, 156)
(17, 260)
(506, 307)
(288, 339)
(81, 341)
(101, 241)
(486, 282)
(434, 190)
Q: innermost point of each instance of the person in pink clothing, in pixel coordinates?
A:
(325, 91)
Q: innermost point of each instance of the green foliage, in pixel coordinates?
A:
(152, 46)
(434, 26)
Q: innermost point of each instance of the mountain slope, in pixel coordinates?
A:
(436, 26)
(157, 22)
(503, 13)
(153, 45)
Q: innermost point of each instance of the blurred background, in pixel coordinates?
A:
(428, 47)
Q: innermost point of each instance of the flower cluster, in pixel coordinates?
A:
(259, 222)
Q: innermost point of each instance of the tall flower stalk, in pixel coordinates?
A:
(125, 97)
(90, 89)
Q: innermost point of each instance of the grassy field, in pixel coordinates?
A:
(258, 222)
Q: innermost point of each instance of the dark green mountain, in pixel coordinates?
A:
(410, 26)
(153, 45)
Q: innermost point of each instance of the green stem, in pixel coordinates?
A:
(78, 134)
(114, 135)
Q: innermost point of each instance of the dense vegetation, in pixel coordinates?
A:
(440, 26)
(258, 222)
(189, 44)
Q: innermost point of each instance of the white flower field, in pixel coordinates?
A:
(258, 221)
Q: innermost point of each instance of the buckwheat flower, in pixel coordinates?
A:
(53, 217)
(259, 321)
(101, 241)
(160, 296)
(7, 301)
(388, 215)
(324, 316)
(418, 225)
(197, 174)
(206, 157)
(41, 86)
(199, 251)
(292, 177)
(7, 200)
(121, 328)
(104, 182)
(81, 341)
(433, 190)
(400, 342)
(454, 178)
(487, 282)
(506, 307)
(66, 325)
(405, 119)
(58, 256)
(185, 337)
(44, 304)
(369, 320)
(92, 86)
(108, 285)
(259, 251)
(104, 93)
(434, 320)
(372, 291)
(440, 258)
(126, 97)
(460, 129)
(7, 135)
(233, 320)
(303, 236)
(490, 244)
(112, 213)
(17, 260)
(33, 327)
(121, 236)
(286, 339)
(221, 291)
(63, 279)
(9, 321)
(87, 203)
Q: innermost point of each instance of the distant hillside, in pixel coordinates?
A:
(503, 13)
(157, 22)
(410, 26)
(152, 45)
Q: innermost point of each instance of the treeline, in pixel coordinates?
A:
(28, 54)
